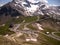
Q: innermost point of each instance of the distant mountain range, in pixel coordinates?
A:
(26, 8)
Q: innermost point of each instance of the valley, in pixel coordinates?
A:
(29, 22)
(25, 31)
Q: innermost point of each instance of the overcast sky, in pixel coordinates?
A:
(50, 2)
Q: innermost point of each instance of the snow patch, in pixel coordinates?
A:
(39, 26)
(31, 39)
(33, 8)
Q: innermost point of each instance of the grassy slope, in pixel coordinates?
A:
(5, 30)
(58, 34)
(47, 40)
(4, 41)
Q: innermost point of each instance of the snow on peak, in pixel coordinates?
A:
(33, 8)
(30, 5)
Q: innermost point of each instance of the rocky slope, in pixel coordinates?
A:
(30, 8)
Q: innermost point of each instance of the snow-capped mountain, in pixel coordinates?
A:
(32, 7)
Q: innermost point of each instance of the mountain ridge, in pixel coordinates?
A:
(25, 8)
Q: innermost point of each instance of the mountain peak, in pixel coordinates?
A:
(34, 7)
(30, 6)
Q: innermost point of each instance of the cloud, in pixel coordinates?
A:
(1, 5)
(3, 2)
(44, 1)
(53, 5)
(35, 1)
